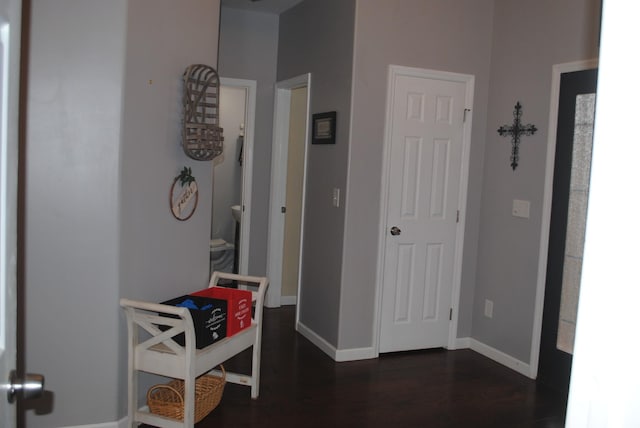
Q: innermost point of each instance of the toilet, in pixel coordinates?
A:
(221, 255)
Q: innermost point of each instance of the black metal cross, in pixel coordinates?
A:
(516, 130)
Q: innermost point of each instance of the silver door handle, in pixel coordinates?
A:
(395, 231)
(32, 386)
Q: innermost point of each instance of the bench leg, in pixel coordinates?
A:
(189, 401)
(133, 398)
(255, 369)
(132, 374)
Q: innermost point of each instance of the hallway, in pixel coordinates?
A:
(302, 387)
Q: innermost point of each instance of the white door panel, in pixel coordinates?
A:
(422, 202)
(10, 15)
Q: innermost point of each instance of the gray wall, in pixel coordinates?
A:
(316, 37)
(249, 50)
(161, 257)
(433, 34)
(75, 82)
(529, 37)
(99, 166)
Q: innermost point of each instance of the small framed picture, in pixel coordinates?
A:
(324, 128)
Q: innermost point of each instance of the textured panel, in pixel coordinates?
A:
(582, 141)
(444, 109)
(576, 219)
(411, 175)
(439, 174)
(415, 106)
(572, 273)
(576, 223)
(404, 279)
(432, 277)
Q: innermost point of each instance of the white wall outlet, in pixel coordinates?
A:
(488, 308)
(336, 197)
(520, 208)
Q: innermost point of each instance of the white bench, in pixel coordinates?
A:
(157, 353)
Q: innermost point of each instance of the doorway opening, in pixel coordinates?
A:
(288, 178)
(232, 178)
(549, 201)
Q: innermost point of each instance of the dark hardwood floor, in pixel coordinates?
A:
(302, 387)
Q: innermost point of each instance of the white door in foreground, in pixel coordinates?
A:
(10, 15)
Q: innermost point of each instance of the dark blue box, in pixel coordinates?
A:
(209, 319)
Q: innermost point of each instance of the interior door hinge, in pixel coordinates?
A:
(464, 115)
(458, 216)
(283, 210)
(450, 314)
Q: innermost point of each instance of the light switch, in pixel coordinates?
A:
(520, 208)
(488, 308)
(336, 197)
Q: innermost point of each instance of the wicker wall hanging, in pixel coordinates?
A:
(201, 136)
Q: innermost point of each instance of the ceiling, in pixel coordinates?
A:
(267, 6)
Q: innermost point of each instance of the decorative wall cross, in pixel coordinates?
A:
(515, 131)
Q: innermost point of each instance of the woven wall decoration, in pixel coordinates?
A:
(201, 136)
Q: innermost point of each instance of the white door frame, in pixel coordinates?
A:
(469, 81)
(10, 28)
(279, 153)
(556, 74)
(247, 166)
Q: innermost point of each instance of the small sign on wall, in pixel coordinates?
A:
(183, 199)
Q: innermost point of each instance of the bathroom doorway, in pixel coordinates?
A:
(232, 176)
(288, 177)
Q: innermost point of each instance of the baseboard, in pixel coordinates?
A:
(338, 355)
(288, 300)
(463, 343)
(122, 423)
(324, 346)
(500, 357)
(355, 354)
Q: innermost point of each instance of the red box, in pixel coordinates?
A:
(238, 306)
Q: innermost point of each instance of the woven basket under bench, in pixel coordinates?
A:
(168, 399)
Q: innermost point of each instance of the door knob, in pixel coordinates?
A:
(32, 386)
(395, 231)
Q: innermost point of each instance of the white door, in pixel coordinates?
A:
(278, 209)
(293, 196)
(10, 14)
(426, 133)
